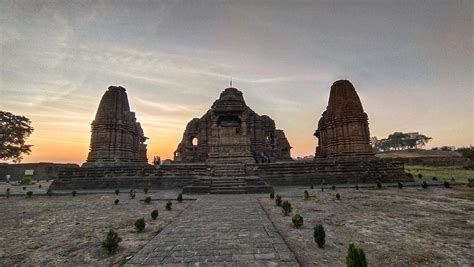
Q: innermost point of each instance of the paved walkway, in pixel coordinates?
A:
(218, 230)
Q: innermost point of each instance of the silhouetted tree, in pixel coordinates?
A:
(14, 130)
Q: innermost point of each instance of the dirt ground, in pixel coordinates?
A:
(66, 230)
(409, 227)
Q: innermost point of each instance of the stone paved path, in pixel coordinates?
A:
(218, 230)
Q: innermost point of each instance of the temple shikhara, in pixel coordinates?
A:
(231, 132)
(117, 138)
(231, 149)
(343, 129)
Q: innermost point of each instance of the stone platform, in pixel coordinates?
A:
(231, 230)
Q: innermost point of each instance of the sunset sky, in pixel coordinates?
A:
(410, 61)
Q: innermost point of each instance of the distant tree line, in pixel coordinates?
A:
(400, 141)
(467, 152)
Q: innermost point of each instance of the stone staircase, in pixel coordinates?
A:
(228, 170)
(228, 185)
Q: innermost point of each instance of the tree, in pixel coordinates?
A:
(14, 130)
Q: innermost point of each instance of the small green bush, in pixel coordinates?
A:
(311, 186)
(297, 220)
(29, 194)
(74, 193)
(24, 188)
(435, 179)
(154, 214)
(333, 187)
(140, 224)
(116, 202)
(379, 184)
(272, 195)
(400, 186)
(470, 182)
(357, 187)
(145, 190)
(26, 180)
(147, 200)
(278, 200)
(420, 176)
(168, 205)
(447, 184)
(117, 192)
(355, 257)
(49, 192)
(338, 196)
(424, 185)
(306, 195)
(286, 206)
(131, 194)
(319, 235)
(111, 241)
(180, 198)
(452, 179)
(40, 186)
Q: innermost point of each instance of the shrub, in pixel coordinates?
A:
(447, 184)
(111, 241)
(311, 186)
(357, 187)
(180, 198)
(40, 186)
(74, 193)
(297, 220)
(8, 193)
(435, 179)
(470, 182)
(131, 194)
(322, 188)
(24, 188)
(145, 190)
(379, 184)
(400, 186)
(116, 202)
(29, 194)
(286, 206)
(333, 187)
(338, 196)
(355, 257)
(319, 235)
(117, 191)
(306, 195)
(452, 179)
(26, 180)
(147, 200)
(140, 224)
(424, 185)
(168, 205)
(154, 214)
(272, 195)
(278, 200)
(49, 192)
(420, 176)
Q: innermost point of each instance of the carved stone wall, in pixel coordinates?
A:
(343, 129)
(231, 132)
(117, 138)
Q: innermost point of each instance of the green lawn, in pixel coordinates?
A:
(442, 173)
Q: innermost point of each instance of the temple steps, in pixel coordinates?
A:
(228, 185)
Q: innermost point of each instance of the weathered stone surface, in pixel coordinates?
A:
(343, 129)
(218, 231)
(231, 132)
(117, 138)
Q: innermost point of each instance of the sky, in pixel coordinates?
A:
(411, 63)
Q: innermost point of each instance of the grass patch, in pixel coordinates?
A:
(442, 173)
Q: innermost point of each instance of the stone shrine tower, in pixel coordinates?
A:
(231, 132)
(343, 129)
(117, 138)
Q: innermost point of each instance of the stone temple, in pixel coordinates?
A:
(117, 138)
(231, 132)
(231, 149)
(343, 129)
